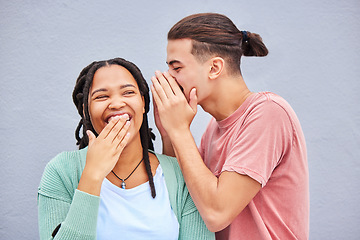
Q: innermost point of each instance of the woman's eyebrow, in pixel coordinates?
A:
(105, 90)
(127, 85)
(98, 90)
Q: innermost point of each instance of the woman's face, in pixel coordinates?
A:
(114, 92)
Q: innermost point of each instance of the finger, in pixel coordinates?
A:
(91, 137)
(154, 102)
(153, 98)
(108, 128)
(117, 124)
(164, 84)
(119, 130)
(159, 89)
(193, 100)
(156, 98)
(122, 133)
(122, 144)
(173, 84)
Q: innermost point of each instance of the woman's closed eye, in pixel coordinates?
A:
(101, 97)
(129, 92)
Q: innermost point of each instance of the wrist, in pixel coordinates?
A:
(93, 173)
(179, 135)
(90, 182)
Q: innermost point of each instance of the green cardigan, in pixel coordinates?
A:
(59, 201)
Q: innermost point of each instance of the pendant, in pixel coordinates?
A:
(123, 184)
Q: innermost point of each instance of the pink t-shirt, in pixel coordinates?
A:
(263, 139)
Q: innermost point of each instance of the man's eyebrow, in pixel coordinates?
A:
(105, 90)
(172, 62)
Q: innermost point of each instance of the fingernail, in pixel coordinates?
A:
(115, 118)
(125, 116)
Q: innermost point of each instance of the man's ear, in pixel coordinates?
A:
(217, 65)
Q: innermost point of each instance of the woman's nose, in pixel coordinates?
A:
(116, 103)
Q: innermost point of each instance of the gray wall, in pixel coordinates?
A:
(313, 63)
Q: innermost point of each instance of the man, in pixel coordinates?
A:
(249, 177)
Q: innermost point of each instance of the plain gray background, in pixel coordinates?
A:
(313, 63)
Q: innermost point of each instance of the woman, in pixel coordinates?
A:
(101, 190)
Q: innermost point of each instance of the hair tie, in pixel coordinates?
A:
(245, 36)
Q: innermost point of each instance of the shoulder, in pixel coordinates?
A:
(168, 161)
(270, 115)
(170, 167)
(62, 174)
(269, 100)
(67, 161)
(268, 105)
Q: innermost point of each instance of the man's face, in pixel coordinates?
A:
(185, 68)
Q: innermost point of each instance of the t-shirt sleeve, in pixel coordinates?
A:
(261, 143)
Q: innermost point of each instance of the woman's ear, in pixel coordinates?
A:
(83, 111)
(143, 101)
(217, 65)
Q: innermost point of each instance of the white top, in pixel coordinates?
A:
(134, 214)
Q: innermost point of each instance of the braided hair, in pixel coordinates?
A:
(80, 97)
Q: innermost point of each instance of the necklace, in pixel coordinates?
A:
(123, 184)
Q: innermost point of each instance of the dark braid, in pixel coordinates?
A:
(145, 140)
(80, 98)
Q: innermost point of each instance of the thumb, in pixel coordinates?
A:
(193, 100)
(91, 137)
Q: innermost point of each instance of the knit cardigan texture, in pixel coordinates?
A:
(59, 201)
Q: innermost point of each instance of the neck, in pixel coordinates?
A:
(227, 95)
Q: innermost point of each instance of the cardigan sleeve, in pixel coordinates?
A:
(64, 212)
(192, 226)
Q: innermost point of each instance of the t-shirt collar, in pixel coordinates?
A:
(238, 113)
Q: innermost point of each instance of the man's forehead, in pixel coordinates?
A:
(178, 51)
(179, 45)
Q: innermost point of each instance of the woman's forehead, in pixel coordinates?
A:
(113, 75)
